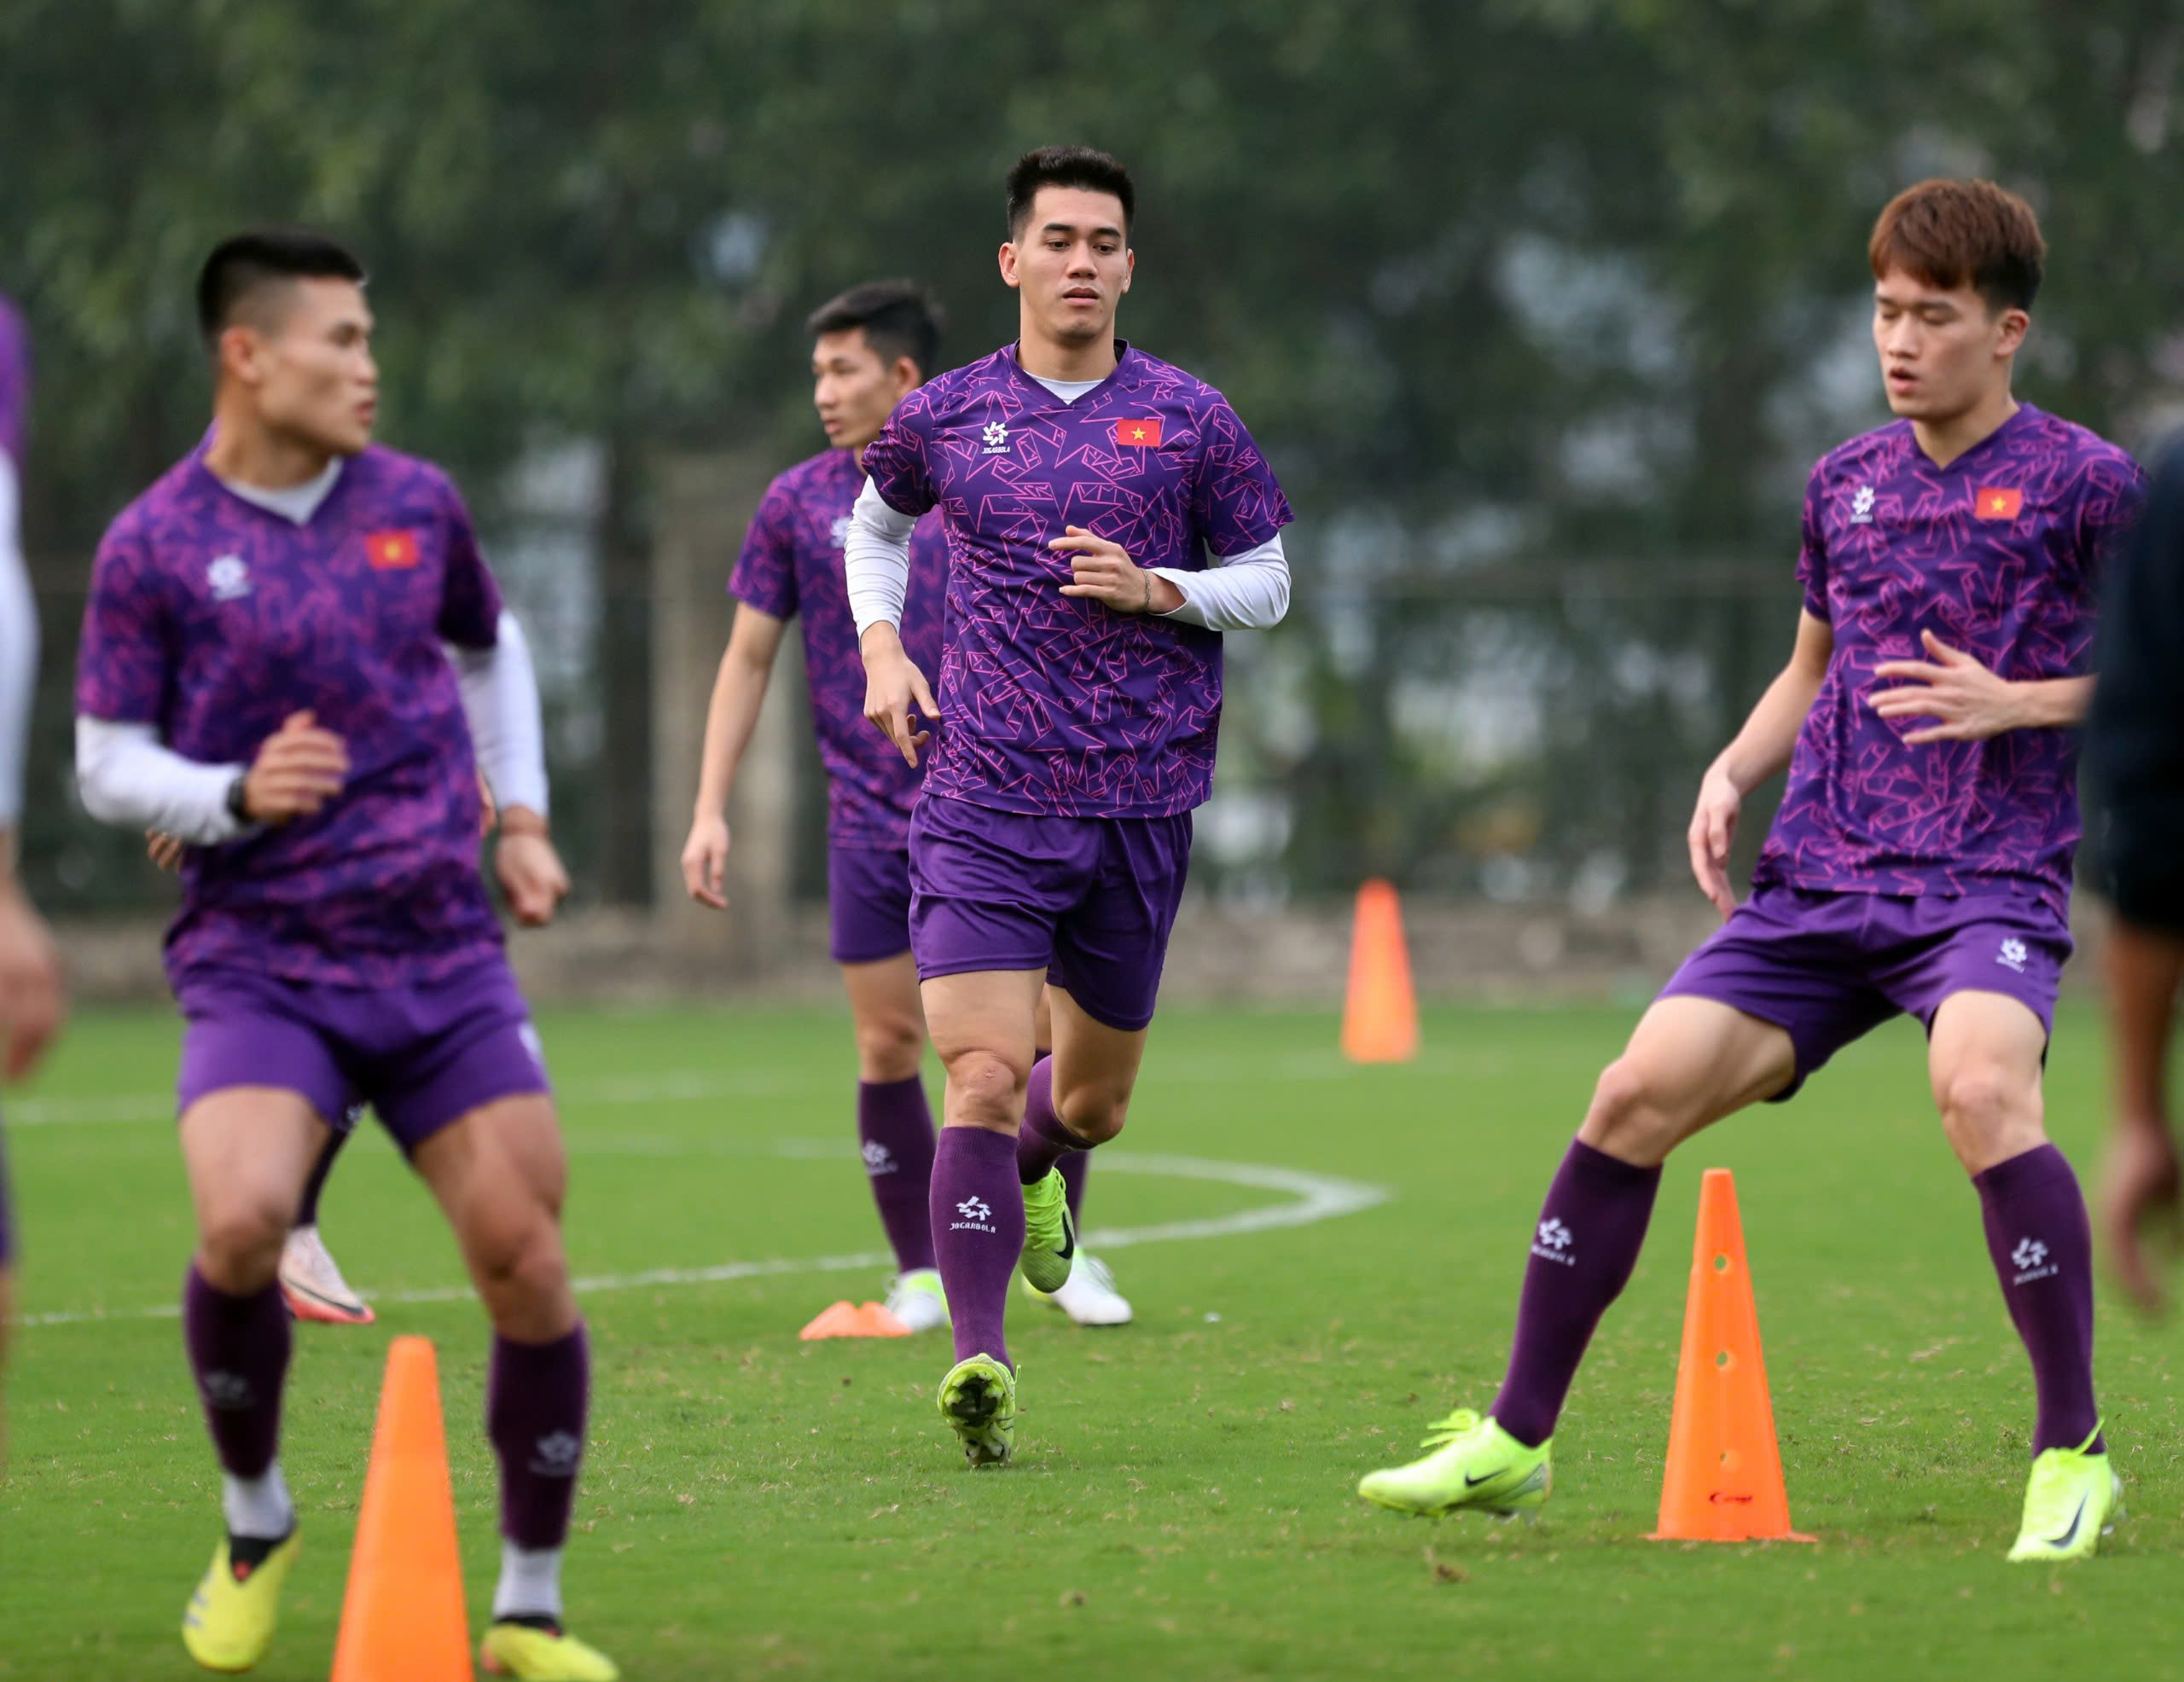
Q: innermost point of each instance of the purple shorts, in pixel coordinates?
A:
(867, 904)
(1828, 967)
(421, 1056)
(1090, 900)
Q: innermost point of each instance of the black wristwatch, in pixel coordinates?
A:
(239, 798)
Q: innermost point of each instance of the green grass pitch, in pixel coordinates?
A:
(1180, 1504)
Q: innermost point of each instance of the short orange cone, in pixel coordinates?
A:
(402, 1619)
(854, 1320)
(1725, 1477)
(1379, 1019)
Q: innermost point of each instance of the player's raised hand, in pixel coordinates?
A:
(1103, 571)
(895, 692)
(2141, 1197)
(1713, 828)
(529, 870)
(1970, 702)
(32, 1004)
(704, 861)
(299, 769)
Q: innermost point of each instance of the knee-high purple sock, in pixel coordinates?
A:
(2042, 1251)
(1590, 1230)
(978, 1234)
(895, 1127)
(239, 1353)
(1075, 1166)
(1042, 1141)
(536, 1395)
(307, 1210)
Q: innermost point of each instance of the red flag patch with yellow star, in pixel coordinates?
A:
(392, 551)
(1137, 434)
(1991, 504)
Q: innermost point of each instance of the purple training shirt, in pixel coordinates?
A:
(14, 381)
(1998, 554)
(791, 565)
(1055, 704)
(214, 619)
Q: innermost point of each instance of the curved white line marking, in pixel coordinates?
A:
(1316, 1198)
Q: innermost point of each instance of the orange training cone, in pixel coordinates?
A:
(852, 1319)
(1379, 1020)
(403, 1620)
(1725, 1477)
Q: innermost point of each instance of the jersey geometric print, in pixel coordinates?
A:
(791, 565)
(212, 620)
(14, 382)
(1053, 705)
(1998, 554)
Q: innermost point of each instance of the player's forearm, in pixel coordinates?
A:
(1244, 591)
(127, 776)
(1763, 747)
(739, 695)
(18, 651)
(2051, 702)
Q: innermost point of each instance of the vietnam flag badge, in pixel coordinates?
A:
(1138, 434)
(1991, 504)
(392, 551)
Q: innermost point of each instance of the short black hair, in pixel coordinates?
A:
(900, 318)
(1067, 166)
(245, 263)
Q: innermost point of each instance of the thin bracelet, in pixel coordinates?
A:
(1146, 606)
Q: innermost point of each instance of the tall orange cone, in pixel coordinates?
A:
(1379, 1019)
(402, 1619)
(1725, 1477)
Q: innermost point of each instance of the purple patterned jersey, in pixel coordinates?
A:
(14, 381)
(791, 564)
(1998, 555)
(214, 619)
(1051, 703)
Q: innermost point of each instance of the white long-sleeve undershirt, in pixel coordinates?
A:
(1249, 591)
(126, 775)
(18, 649)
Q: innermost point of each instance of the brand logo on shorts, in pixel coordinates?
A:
(556, 1454)
(978, 1217)
(878, 1159)
(996, 437)
(1553, 1240)
(2012, 955)
(1862, 506)
(2031, 1260)
(229, 578)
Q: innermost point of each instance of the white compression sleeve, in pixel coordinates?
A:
(876, 561)
(500, 698)
(17, 650)
(1242, 592)
(127, 776)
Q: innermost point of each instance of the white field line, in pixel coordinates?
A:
(693, 1085)
(1315, 1197)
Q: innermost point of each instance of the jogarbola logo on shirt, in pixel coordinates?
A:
(229, 578)
(392, 551)
(996, 437)
(1862, 506)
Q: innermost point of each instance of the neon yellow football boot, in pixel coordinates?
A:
(230, 1620)
(540, 1652)
(1050, 1235)
(1474, 1464)
(978, 1398)
(2073, 1500)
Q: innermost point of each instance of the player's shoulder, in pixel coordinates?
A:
(822, 474)
(162, 509)
(1866, 455)
(385, 470)
(2076, 453)
(1164, 382)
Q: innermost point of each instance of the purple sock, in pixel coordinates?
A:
(2042, 1251)
(307, 1211)
(1042, 1141)
(1074, 1166)
(896, 1128)
(239, 1352)
(536, 1398)
(1590, 1230)
(977, 1233)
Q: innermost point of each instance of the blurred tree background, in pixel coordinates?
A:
(1541, 308)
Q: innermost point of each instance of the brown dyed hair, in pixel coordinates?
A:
(1946, 233)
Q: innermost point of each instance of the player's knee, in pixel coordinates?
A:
(1095, 1115)
(524, 1264)
(889, 1047)
(983, 1086)
(1628, 1117)
(239, 1247)
(1984, 1102)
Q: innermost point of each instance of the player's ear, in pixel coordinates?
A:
(905, 376)
(1130, 265)
(236, 351)
(1008, 263)
(2012, 329)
